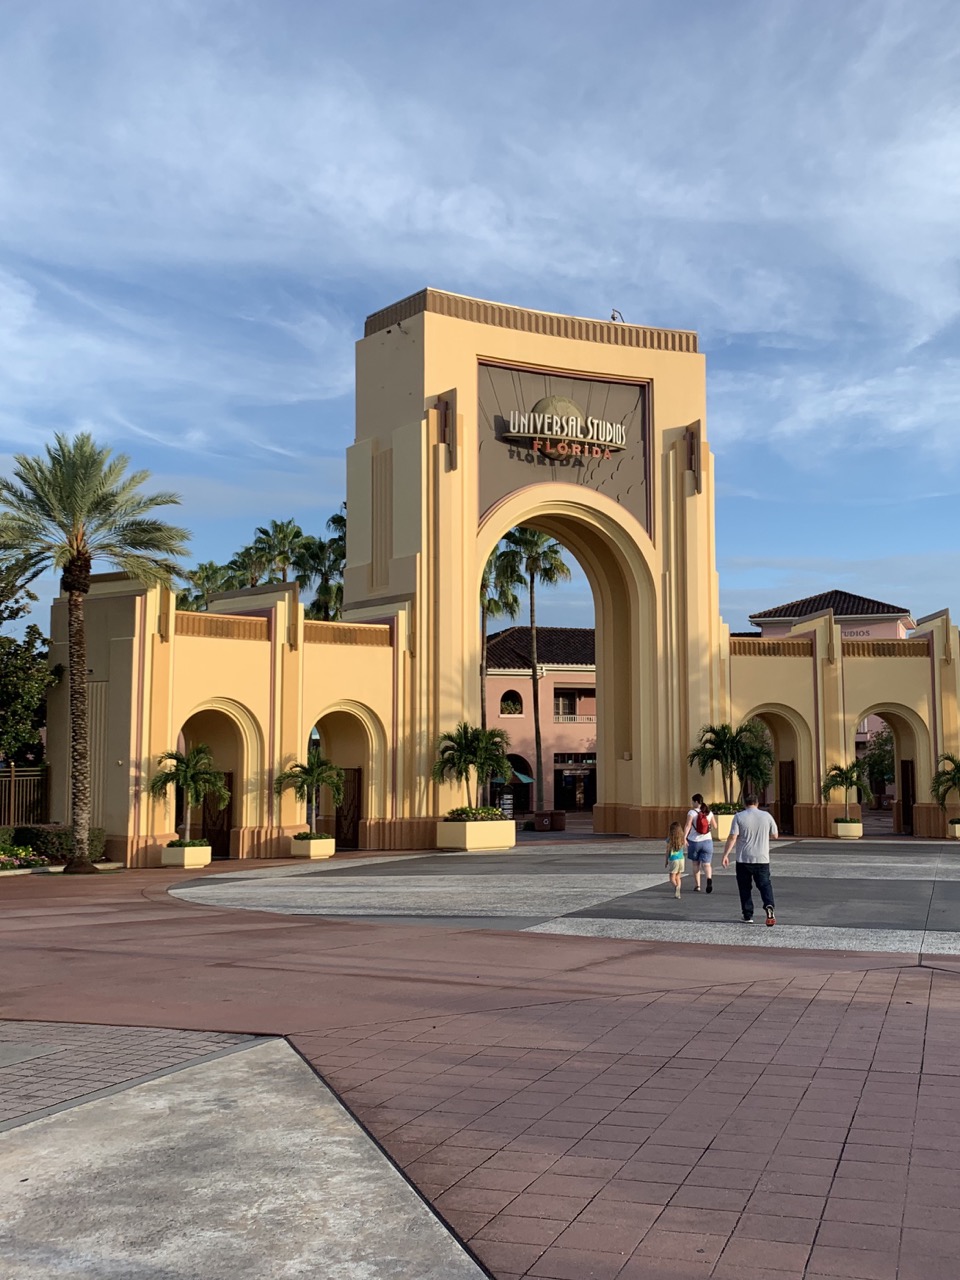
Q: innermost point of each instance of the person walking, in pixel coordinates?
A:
(674, 863)
(698, 834)
(751, 831)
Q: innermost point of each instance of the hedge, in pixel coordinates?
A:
(55, 842)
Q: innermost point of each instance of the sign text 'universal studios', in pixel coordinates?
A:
(557, 425)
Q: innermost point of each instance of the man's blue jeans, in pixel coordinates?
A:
(748, 875)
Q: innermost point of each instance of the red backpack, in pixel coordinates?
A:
(703, 823)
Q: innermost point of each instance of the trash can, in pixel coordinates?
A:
(542, 821)
(558, 820)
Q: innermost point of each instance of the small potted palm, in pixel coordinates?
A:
(847, 778)
(945, 781)
(193, 774)
(307, 781)
(463, 752)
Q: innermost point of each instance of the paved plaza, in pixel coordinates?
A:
(570, 1088)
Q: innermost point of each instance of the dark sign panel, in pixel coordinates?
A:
(539, 426)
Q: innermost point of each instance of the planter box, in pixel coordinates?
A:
(953, 830)
(724, 823)
(848, 830)
(313, 849)
(467, 836)
(191, 857)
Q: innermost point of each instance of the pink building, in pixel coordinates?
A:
(568, 712)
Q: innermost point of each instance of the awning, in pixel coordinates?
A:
(521, 777)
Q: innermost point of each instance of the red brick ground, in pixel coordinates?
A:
(575, 1108)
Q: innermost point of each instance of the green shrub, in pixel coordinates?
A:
(313, 835)
(188, 844)
(467, 813)
(6, 835)
(722, 807)
(55, 841)
(15, 857)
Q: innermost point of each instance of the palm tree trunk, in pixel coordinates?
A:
(534, 665)
(186, 815)
(483, 685)
(79, 862)
(469, 793)
(314, 796)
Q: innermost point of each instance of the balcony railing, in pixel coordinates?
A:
(559, 719)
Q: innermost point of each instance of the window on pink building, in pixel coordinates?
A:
(511, 704)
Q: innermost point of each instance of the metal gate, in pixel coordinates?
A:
(786, 795)
(349, 812)
(216, 823)
(908, 796)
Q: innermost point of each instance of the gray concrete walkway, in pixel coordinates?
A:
(242, 1168)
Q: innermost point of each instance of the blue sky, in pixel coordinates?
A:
(200, 200)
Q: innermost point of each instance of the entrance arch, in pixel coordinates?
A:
(615, 553)
(793, 781)
(913, 764)
(236, 745)
(352, 737)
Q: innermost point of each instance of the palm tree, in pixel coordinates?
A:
(744, 753)
(317, 561)
(64, 511)
(308, 779)
(468, 749)
(280, 544)
(946, 779)
(846, 778)
(337, 525)
(541, 560)
(204, 581)
(195, 776)
(498, 599)
(247, 568)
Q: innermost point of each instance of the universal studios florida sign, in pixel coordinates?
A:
(556, 426)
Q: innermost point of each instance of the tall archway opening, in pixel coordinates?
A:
(218, 731)
(792, 783)
(351, 737)
(610, 775)
(894, 744)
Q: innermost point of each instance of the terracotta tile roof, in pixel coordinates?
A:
(843, 603)
(509, 650)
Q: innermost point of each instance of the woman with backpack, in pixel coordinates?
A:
(698, 833)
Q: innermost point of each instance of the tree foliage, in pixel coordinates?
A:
(846, 778)
(468, 750)
(194, 775)
(25, 678)
(308, 779)
(946, 780)
(744, 753)
(878, 758)
(64, 510)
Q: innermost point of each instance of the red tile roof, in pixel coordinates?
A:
(509, 650)
(843, 603)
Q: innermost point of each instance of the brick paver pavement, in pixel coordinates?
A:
(575, 1108)
(44, 1064)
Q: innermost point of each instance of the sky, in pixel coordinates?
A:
(200, 201)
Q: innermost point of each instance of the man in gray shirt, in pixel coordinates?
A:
(751, 831)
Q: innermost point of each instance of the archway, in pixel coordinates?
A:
(909, 785)
(350, 736)
(614, 552)
(217, 729)
(793, 782)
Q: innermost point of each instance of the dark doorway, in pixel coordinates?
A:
(786, 795)
(215, 824)
(908, 796)
(349, 812)
(575, 790)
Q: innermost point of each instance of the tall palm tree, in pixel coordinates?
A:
(318, 563)
(753, 757)
(247, 568)
(194, 775)
(63, 511)
(337, 525)
(717, 748)
(308, 779)
(946, 779)
(280, 543)
(498, 599)
(541, 560)
(467, 749)
(846, 778)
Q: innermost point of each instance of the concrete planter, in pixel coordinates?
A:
(953, 830)
(468, 836)
(848, 830)
(189, 857)
(313, 849)
(724, 823)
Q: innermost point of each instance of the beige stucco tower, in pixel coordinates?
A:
(473, 418)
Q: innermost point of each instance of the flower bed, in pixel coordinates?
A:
(20, 858)
(467, 814)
